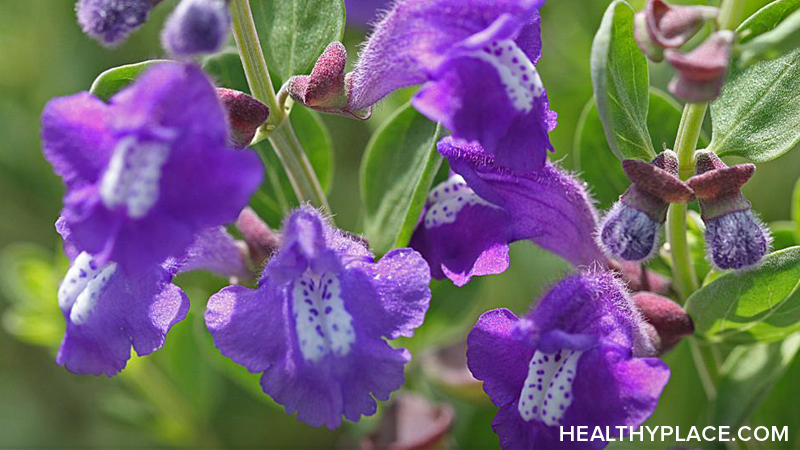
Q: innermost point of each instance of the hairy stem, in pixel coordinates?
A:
(278, 128)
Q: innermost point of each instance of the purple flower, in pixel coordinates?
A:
(477, 59)
(735, 237)
(111, 21)
(109, 308)
(315, 327)
(470, 219)
(147, 172)
(362, 12)
(580, 358)
(196, 27)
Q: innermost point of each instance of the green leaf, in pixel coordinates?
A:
(765, 19)
(770, 32)
(116, 79)
(783, 234)
(594, 161)
(396, 174)
(276, 196)
(748, 375)
(757, 305)
(621, 84)
(294, 33)
(598, 166)
(796, 209)
(225, 68)
(755, 117)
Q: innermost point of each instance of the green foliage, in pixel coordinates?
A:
(598, 166)
(621, 84)
(396, 174)
(294, 33)
(116, 79)
(796, 209)
(770, 32)
(749, 373)
(225, 69)
(755, 117)
(276, 196)
(783, 234)
(29, 278)
(757, 305)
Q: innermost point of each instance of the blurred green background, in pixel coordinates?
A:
(187, 395)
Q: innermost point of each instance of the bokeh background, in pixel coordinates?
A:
(187, 395)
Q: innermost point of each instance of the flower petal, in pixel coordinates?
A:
(129, 310)
(248, 325)
(549, 207)
(75, 137)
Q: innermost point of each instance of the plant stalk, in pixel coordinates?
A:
(278, 128)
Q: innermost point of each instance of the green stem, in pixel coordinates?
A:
(255, 66)
(299, 170)
(685, 145)
(278, 129)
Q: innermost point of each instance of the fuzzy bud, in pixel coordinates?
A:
(245, 115)
(670, 321)
(110, 22)
(196, 27)
(735, 238)
(701, 72)
(260, 239)
(326, 88)
(661, 25)
(632, 228)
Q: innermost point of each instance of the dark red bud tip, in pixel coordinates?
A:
(411, 422)
(671, 26)
(707, 62)
(715, 179)
(324, 88)
(657, 182)
(261, 240)
(245, 115)
(667, 317)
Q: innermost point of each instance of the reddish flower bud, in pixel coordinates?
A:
(260, 239)
(701, 72)
(632, 228)
(326, 89)
(411, 422)
(245, 115)
(735, 238)
(667, 317)
(661, 25)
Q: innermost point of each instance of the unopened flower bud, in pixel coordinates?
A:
(326, 89)
(260, 239)
(632, 228)
(735, 238)
(670, 321)
(245, 115)
(661, 25)
(196, 27)
(701, 72)
(111, 21)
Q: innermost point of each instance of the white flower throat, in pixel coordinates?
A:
(322, 323)
(82, 287)
(447, 199)
(547, 392)
(132, 177)
(517, 73)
